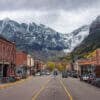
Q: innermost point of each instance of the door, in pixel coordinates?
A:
(5, 68)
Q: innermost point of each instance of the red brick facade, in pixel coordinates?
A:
(38, 65)
(94, 61)
(21, 58)
(7, 52)
(98, 56)
(24, 60)
(7, 57)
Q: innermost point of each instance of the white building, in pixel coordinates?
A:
(30, 61)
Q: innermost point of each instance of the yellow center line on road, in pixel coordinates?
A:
(66, 90)
(41, 89)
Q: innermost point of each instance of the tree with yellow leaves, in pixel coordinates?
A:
(50, 65)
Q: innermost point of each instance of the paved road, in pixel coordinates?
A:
(81, 90)
(53, 91)
(23, 91)
(48, 88)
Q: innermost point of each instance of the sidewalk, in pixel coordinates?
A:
(5, 85)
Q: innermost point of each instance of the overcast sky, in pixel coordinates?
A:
(62, 15)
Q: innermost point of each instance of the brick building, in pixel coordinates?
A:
(38, 65)
(21, 59)
(24, 63)
(25, 59)
(21, 64)
(7, 58)
(95, 60)
(87, 65)
(98, 57)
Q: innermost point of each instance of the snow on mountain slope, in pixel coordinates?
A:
(32, 37)
(76, 37)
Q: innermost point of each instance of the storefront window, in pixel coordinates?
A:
(0, 70)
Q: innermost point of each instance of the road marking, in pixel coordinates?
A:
(66, 90)
(3, 86)
(41, 89)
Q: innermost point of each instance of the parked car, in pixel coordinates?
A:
(96, 82)
(47, 73)
(64, 74)
(38, 74)
(17, 77)
(4, 79)
(69, 74)
(12, 79)
(84, 77)
(91, 78)
(42, 73)
(81, 77)
(21, 72)
(75, 75)
(96, 73)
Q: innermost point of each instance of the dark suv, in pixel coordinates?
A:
(64, 74)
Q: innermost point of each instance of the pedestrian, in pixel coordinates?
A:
(55, 73)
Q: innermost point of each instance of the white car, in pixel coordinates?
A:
(38, 74)
(47, 73)
(85, 77)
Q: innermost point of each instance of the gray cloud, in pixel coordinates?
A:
(62, 15)
(46, 4)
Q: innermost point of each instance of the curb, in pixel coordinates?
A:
(6, 85)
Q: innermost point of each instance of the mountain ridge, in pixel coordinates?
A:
(39, 38)
(91, 42)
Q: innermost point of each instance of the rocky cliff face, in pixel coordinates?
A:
(41, 40)
(92, 41)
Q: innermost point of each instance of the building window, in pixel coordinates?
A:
(0, 70)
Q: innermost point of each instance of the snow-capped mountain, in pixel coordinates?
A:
(37, 36)
(76, 37)
(32, 37)
(91, 42)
